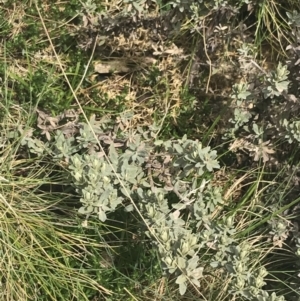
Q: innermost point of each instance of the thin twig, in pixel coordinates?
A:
(209, 60)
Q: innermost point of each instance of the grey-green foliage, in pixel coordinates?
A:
(89, 6)
(279, 228)
(241, 115)
(190, 157)
(292, 130)
(35, 145)
(192, 8)
(298, 246)
(206, 199)
(104, 187)
(176, 244)
(234, 258)
(99, 183)
(265, 296)
(63, 147)
(276, 82)
(134, 7)
(263, 108)
(94, 180)
(245, 282)
(293, 19)
(185, 5)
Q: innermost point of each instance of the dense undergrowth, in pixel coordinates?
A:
(149, 150)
